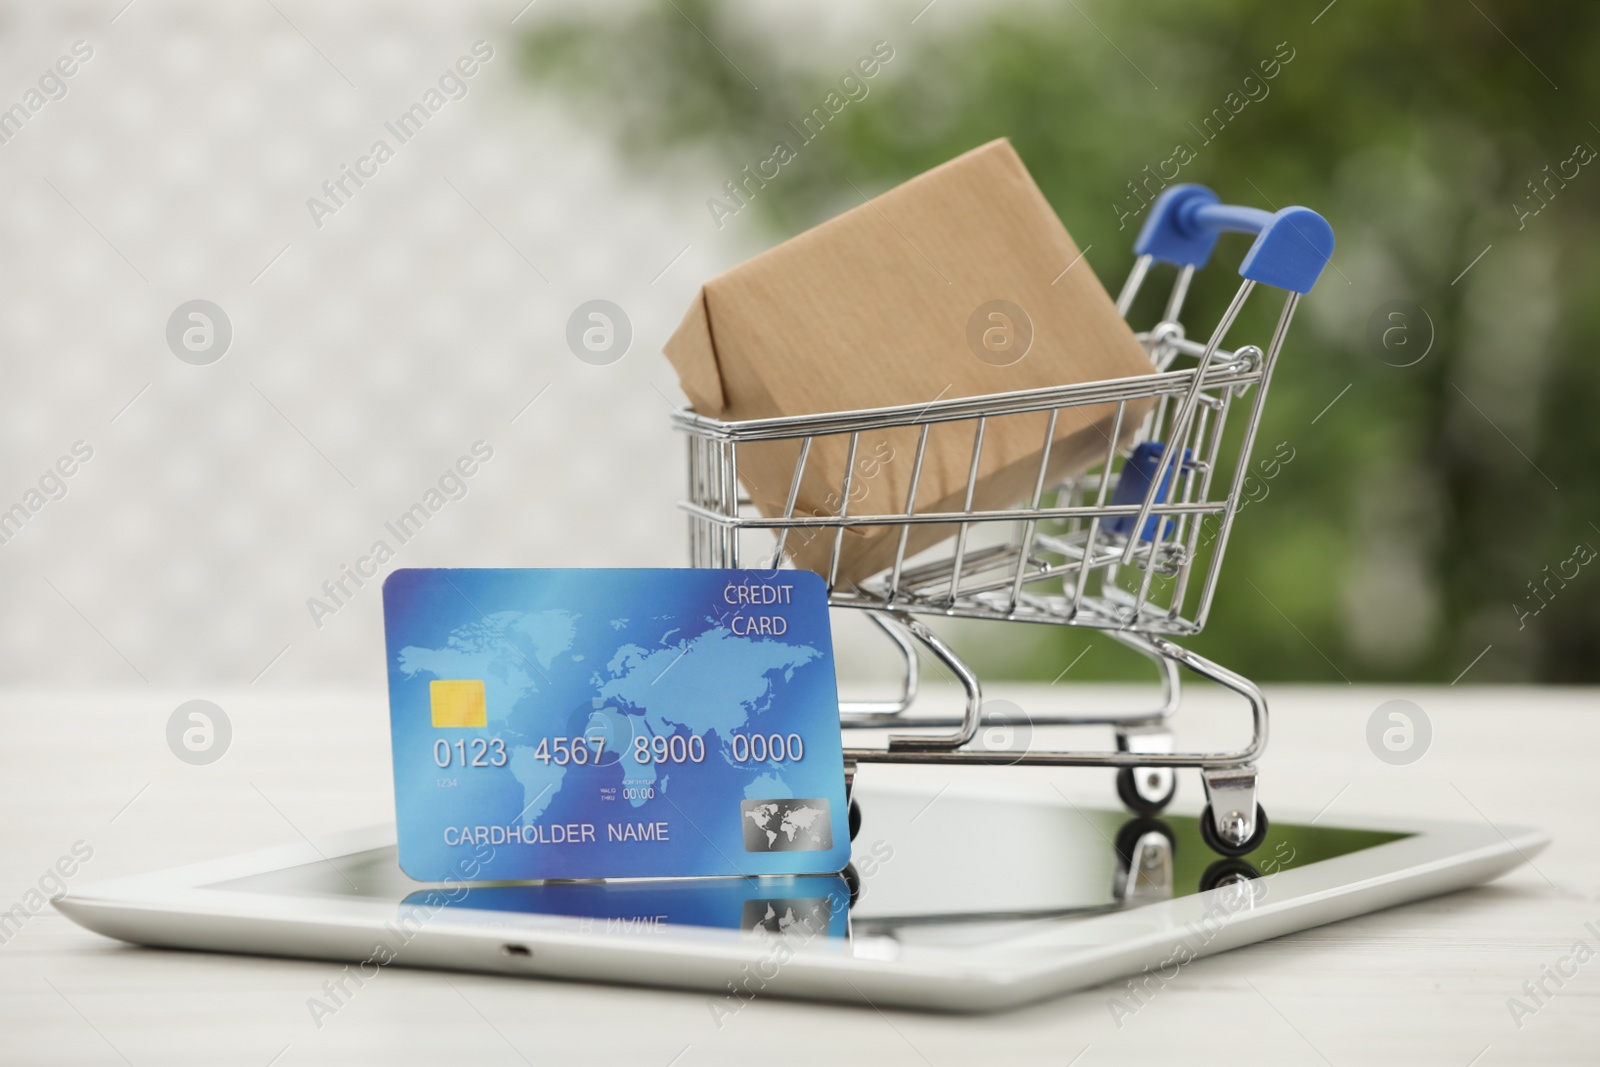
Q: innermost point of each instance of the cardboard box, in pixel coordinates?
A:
(892, 303)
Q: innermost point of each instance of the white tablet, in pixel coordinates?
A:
(955, 901)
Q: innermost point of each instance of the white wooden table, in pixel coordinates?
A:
(1429, 983)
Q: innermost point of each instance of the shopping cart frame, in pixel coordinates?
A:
(1191, 405)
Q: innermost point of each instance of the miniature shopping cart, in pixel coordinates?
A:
(1132, 547)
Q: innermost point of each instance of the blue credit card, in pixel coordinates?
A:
(613, 723)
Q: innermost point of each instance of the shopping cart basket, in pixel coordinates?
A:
(1132, 547)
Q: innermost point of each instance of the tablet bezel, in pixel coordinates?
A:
(185, 908)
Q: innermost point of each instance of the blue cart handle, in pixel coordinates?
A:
(1292, 245)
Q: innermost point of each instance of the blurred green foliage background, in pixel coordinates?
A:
(1436, 510)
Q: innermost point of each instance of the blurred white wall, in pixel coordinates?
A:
(367, 354)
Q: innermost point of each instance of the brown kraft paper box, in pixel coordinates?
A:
(874, 308)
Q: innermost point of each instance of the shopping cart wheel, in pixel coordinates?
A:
(1140, 789)
(855, 819)
(1228, 871)
(1216, 843)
